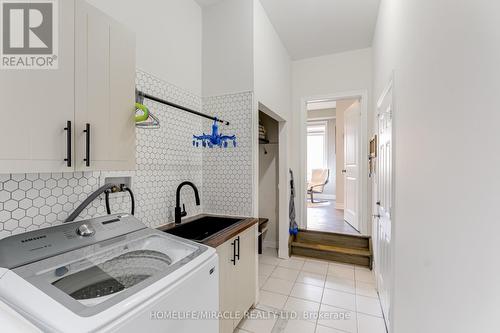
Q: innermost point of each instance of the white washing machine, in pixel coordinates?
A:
(110, 274)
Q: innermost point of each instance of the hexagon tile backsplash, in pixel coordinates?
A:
(165, 158)
(227, 173)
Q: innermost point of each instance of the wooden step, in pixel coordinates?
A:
(333, 253)
(335, 239)
(350, 249)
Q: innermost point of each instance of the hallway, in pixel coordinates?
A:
(324, 217)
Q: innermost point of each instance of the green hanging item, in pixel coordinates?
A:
(141, 113)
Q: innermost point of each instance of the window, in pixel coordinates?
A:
(317, 157)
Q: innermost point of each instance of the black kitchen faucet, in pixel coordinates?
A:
(178, 213)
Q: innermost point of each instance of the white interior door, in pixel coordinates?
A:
(384, 202)
(352, 158)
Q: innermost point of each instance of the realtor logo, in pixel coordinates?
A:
(29, 34)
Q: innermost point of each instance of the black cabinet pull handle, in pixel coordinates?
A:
(233, 244)
(238, 255)
(68, 142)
(87, 145)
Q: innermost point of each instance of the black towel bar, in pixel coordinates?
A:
(140, 94)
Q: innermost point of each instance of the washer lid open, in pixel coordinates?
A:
(92, 279)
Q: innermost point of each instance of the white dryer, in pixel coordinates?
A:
(110, 274)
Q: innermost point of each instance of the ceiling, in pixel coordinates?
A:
(205, 3)
(311, 28)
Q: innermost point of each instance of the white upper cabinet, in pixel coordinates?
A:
(93, 87)
(105, 92)
(36, 105)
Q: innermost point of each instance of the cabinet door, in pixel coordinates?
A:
(105, 91)
(226, 284)
(245, 278)
(36, 105)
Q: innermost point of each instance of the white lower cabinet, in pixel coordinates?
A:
(237, 276)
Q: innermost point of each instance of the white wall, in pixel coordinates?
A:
(228, 47)
(272, 86)
(331, 74)
(272, 65)
(168, 37)
(447, 77)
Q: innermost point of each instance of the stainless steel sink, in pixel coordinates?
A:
(202, 228)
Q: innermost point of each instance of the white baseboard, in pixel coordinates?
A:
(339, 205)
(325, 196)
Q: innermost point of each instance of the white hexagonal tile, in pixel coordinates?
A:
(18, 214)
(61, 183)
(32, 193)
(32, 212)
(57, 208)
(68, 207)
(44, 210)
(50, 201)
(5, 216)
(39, 220)
(4, 196)
(25, 203)
(62, 199)
(51, 218)
(10, 185)
(73, 198)
(38, 184)
(45, 193)
(25, 185)
(25, 222)
(39, 202)
(11, 225)
(51, 183)
(10, 205)
(18, 195)
(57, 191)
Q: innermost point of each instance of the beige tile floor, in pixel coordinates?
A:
(311, 287)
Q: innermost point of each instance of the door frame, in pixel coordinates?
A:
(388, 88)
(283, 177)
(362, 95)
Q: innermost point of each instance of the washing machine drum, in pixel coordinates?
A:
(114, 275)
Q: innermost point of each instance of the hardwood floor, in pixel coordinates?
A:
(324, 217)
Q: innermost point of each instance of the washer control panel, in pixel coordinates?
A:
(85, 230)
(22, 249)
